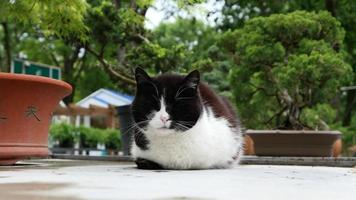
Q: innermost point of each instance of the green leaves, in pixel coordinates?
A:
(184, 3)
(54, 17)
(63, 133)
(67, 135)
(286, 65)
(319, 116)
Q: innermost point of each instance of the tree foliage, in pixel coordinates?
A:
(237, 12)
(120, 42)
(190, 39)
(60, 17)
(110, 36)
(286, 65)
(197, 43)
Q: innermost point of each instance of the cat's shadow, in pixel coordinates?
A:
(169, 170)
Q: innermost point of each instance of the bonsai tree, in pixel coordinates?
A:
(287, 68)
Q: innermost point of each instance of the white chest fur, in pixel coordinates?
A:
(211, 143)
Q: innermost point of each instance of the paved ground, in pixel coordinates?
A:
(65, 179)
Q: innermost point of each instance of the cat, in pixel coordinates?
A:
(182, 124)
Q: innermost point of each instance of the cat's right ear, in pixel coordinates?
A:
(192, 79)
(141, 76)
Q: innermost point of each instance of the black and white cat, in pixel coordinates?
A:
(182, 124)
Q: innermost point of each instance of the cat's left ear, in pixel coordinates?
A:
(192, 79)
(141, 76)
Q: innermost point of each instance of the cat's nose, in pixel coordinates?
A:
(164, 119)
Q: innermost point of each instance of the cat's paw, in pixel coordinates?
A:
(147, 164)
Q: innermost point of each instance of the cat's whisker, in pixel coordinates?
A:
(186, 123)
(182, 126)
(155, 88)
(129, 129)
(184, 98)
(155, 98)
(185, 127)
(180, 90)
(135, 125)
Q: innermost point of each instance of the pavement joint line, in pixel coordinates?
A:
(245, 160)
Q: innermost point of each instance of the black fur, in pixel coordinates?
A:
(186, 105)
(147, 164)
(141, 140)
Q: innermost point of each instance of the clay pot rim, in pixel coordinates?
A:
(250, 131)
(38, 79)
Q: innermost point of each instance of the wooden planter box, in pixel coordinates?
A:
(294, 143)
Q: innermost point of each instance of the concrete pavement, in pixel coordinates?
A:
(67, 179)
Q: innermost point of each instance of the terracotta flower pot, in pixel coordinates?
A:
(337, 147)
(295, 143)
(248, 146)
(26, 105)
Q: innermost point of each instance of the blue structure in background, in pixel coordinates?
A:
(105, 98)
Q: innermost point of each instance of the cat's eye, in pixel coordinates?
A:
(185, 93)
(183, 98)
(155, 98)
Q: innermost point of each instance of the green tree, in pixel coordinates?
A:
(44, 31)
(236, 12)
(195, 43)
(120, 43)
(287, 66)
(57, 17)
(190, 39)
(93, 79)
(107, 34)
(68, 54)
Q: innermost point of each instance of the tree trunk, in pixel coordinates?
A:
(293, 121)
(330, 5)
(7, 47)
(117, 4)
(350, 103)
(70, 98)
(68, 73)
(293, 110)
(115, 76)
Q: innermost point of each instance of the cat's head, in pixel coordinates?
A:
(167, 103)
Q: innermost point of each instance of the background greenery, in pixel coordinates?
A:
(281, 63)
(288, 66)
(66, 136)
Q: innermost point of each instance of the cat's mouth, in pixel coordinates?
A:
(164, 128)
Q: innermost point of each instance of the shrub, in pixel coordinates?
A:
(88, 137)
(63, 133)
(112, 139)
